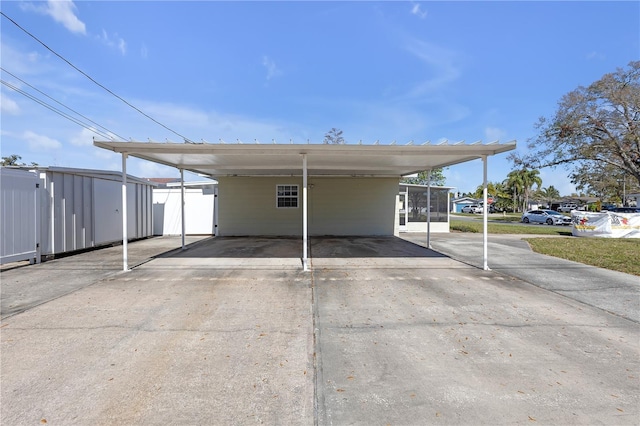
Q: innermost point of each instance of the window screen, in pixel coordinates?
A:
(287, 196)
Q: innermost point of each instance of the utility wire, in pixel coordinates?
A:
(54, 109)
(90, 78)
(60, 103)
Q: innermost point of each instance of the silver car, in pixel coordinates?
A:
(550, 217)
(474, 208)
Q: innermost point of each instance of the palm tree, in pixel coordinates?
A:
(521, 182)
(530, 178)
(514, 184)
(548, 194)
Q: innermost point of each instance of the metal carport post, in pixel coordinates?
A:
(125, 262)
(485, 208)
(305, 236)
(429, 208)
(182, 204)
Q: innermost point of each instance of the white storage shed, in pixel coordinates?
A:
(19, 231)
(81, 208)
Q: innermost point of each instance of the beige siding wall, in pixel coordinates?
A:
(337, 206)
(352, 206)
(247, 206)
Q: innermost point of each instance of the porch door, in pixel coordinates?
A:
(402, 212)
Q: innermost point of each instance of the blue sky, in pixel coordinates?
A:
(293, 70)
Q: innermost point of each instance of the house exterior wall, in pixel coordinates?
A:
(336, 206)
(352, 206)
(247, 206)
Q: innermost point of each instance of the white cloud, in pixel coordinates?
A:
(144, 51)
(416, 10)
(441, 62)
(122, 45)
(84, 138)
(114, 42)
(21, 62)
(272, 69)
(174, 115)
(494, 134)
(62, 11)
(38, 142)
(149, 169)
(105, 155)
(594, 55)
(8, 105)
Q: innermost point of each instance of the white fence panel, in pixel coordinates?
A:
(20, 219)
(199, 211)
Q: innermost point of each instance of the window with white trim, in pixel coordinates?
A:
(286, 196)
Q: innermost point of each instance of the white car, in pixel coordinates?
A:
(473, 208)
(566, 208)
(550, 217)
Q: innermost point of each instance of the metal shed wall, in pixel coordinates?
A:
(83, 210)
(19, 228)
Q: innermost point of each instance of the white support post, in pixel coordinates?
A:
(52, 224)
(406, 208)
(125, 254)
(304, 213)
(429, 208)
(182, 204)
(215, 211)
(485, 209)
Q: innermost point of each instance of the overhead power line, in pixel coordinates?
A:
(60, 103)
(54, 109)
(91, 79)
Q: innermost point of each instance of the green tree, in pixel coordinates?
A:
(418, 198)
(491, 190)
(513, 183)
(14, 160)
(520, 182)
(437, 178)
(334, 136)
(548, 194)
(604, 181)
(496, 190)
(592, 126)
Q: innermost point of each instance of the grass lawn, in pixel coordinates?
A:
(498, 228)
(616, 254)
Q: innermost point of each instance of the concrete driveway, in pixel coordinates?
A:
(381, 331)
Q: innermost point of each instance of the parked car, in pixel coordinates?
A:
(625, 210)
(550, 217)
(566, 208)
(473, 208)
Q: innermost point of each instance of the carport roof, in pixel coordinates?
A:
(322, 160)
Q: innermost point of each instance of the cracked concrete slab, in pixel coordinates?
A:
(381, 331)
